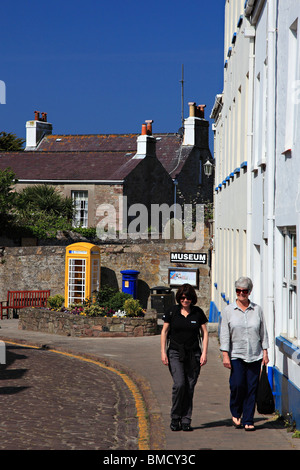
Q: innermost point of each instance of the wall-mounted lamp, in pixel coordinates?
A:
(208, 168)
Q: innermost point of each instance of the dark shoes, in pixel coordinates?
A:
(176, 425)
(186, 427)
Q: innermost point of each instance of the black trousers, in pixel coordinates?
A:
(185, 375)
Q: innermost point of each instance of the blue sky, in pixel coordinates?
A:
(106, 67)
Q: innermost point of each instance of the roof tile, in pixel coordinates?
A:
(91, 157)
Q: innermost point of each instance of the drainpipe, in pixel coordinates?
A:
(249, 7)
(250, 33)
(271, 148)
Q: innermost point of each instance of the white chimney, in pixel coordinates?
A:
(193, 126)
(35, 130)
(146, 143)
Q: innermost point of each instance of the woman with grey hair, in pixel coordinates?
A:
(244, 282)
(244, 345)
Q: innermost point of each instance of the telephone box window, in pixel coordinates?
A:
(77, 269)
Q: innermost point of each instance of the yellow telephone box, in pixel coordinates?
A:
(82, 272)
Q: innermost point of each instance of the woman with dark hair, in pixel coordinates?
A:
(181, 329)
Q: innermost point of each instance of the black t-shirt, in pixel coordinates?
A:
(184, 330)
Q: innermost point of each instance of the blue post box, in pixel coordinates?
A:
(129, 281)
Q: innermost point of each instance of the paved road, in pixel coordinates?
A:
(52, 401)
(138, 359)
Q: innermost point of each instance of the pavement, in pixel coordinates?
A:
(136, 362)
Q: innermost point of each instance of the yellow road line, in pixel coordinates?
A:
(143, 440)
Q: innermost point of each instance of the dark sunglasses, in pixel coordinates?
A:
(244, 291)
(184, 298)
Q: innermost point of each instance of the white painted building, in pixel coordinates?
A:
(232, 151)
(257, 211)
(287, 210)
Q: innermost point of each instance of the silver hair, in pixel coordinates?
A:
(244, 282)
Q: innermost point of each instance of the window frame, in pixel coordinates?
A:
(81, 215)
(289, 282)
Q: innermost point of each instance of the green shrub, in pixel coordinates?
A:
(94, 310)
(90, 232)
(132, 307)
(117, 301)
(104, 295)
(111, 298)
(56, 301)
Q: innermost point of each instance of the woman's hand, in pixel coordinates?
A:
(226, 360)
(265, 359)
(203, 359)
(164, 358)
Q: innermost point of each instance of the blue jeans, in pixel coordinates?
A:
(243, 382)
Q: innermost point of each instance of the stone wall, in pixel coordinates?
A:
(43, 267)
(67, 324)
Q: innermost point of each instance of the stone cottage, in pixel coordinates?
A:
(117, 169)
(100, 171)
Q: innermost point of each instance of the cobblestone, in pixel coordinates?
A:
(54, 402)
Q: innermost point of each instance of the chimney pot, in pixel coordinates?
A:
(192, 106)
(146, 143)
(36, 115)
(149, 126)
(201, 110)
(44, 117)
(195, 127)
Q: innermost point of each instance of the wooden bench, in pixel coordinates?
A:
(17, 299)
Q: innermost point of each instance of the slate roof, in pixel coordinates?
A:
(90, 157)
(89, 143)
(66, 166)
